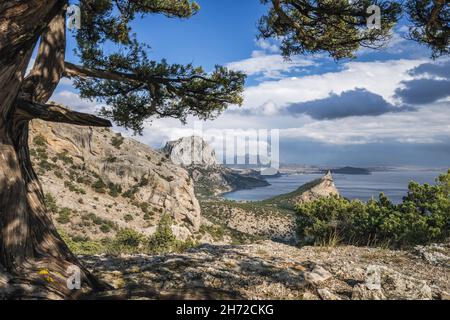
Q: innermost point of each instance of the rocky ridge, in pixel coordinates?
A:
(319, 188)
(101, 181)
(210, 177)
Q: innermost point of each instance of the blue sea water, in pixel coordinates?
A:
(363, 187)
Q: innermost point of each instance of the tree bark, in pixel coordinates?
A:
(31, 250)
(27, 110)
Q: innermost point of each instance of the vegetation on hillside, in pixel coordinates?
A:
(422, 217)
(129, 241)
(287, 201)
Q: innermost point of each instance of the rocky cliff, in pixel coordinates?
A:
(323, 187)
(189, 151)
(210, 178)
(98, 182)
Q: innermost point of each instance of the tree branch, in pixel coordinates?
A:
(49, 65)
(72, 70)
(28, 110)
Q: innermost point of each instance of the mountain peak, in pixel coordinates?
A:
(189, 151)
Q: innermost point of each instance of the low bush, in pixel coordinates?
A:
(117, 140)
(99, 186)
(127, 241)
(128, 218)
(40, 140)
(422, 217)
(164, 241)
(64, 215)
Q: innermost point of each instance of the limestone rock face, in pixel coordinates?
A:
(324, 188)
(189, 151)
(96, 171)
(210, 178)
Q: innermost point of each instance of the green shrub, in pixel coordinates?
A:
(128, 217)
(50, 203)
(64, 215)
(217, 232)
(129, 238)
(99, 186)
(117, 141)
(64, 158)
(126, 241)
(44, 165)
(163, 240)
(58, 174)
(422, 217)
(147, 216)
(130, 192)
(82, 245)
(111, 159)
(114, 190)
(73, 188)
(105, 228)
(143, 182)
(39, 140)
(144, 206)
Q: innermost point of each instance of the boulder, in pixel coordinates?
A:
(384, 283)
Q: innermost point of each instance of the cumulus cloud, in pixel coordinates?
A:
(381, 78)
(74, 102)
(431, 83)
(268, 63)
(423, 91)
(268, 45)
(439, 69)
(358, 102)
(426, 125)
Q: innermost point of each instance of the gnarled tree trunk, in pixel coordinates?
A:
(31, 251)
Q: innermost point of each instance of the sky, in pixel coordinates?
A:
(384, 108)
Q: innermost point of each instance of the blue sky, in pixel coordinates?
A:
(389, 107)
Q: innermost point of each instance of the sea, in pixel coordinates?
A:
(393, 183)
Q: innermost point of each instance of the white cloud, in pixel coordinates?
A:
(267, 62)
(430, 124)
(427, 125)
(381, 78)
(74, 102)
(271, 66)
(267, 45)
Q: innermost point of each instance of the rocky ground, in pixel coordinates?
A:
(269, 270)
